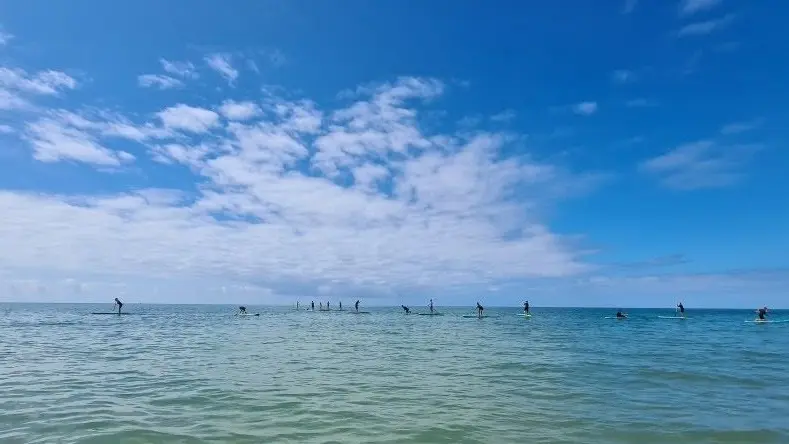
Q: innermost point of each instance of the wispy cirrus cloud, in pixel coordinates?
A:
(504, 116)
(54, 140)
(585, 108)
(181, 69)
(222, 64)
(5, 37)
(622, 76)
(629, 6)
(706, 27)
(690, 7)
(740, 127)
(48, 82)
(159, 81)
(701, 164)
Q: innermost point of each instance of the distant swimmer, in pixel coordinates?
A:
(681, 309)
(242, 310)
(762, 313)
(431, 306)
(480, 308)
(526, 307)
(407, 310)
(119, 304)
(620, 315)
(312, 305)
(356, 305)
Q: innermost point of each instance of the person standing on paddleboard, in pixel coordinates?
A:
(526, 308)
(327, 305)
(681, 309)
(119, 304)
(480, 308)
(242, 310)
(312, 305)
(407, 310)
(356, 305)
(762, 313)
(340, 305)
(431, 305)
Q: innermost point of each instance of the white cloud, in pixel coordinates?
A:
(44, 82)
(233, 110)
(159, 81)
(504, 116)
(5, 38)
(12, 101)
(705, 27)
(54, 140)
(690, 7)
(5, 129)
(362, 196)
(188, 118)
(702, 164)
(221, 64)
(179, 69)
(585, 108)
(740, 127)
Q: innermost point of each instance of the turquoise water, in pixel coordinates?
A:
(193, 374)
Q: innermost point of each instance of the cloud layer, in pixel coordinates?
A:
(282, 190)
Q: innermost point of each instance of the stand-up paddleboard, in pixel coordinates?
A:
(430, 314)
(616, 317)
(110, 313)
(247, 314)
(768, 321)
(359, 312)
(525, 315)
(475, 316)
(672, 317)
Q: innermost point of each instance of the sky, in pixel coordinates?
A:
(573, 153)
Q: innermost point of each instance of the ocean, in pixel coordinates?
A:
(197, 374)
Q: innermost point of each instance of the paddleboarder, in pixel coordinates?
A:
(119, 304)
(480, 308)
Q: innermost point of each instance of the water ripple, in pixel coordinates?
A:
(198, 375)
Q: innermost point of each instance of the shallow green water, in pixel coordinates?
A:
(192, 374)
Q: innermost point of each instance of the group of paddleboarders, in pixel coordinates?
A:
(320, 306)
(761, 312)
(242, 310)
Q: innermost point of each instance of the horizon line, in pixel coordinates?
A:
(386, 306)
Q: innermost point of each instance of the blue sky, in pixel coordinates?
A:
(586, 153)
